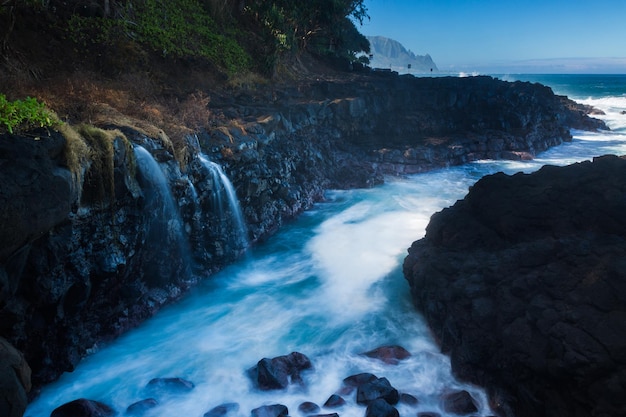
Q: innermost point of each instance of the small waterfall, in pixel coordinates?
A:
(167, 250)
(225, 200)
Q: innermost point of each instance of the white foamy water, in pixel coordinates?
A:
(328, 285)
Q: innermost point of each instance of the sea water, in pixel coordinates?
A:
(328, 285)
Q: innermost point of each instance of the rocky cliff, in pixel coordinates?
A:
(85, 255)
(523, 283)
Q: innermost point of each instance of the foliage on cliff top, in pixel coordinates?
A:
(24, 114)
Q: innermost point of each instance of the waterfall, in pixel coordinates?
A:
(167, 250)
(225, 201)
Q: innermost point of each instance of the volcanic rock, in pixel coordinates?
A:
(379, 388)
(523, 283)
(389, 354)
(83, 408)
(381, 408)
(279, 372)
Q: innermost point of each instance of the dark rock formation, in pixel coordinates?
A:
(139, 408)
(83, 408)
(14, 380)
(308, 408)
(222, 410)
(380, 388)
(523, 283)
(459, 403)
(275, 410)
(279, 372)
(381, 408)
(389, 354)
(334, 401)
(83, 258)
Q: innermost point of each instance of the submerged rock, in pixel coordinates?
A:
(523, 283)
(222, 410)
(173, 385)
(141, 407)
(381, 408)
(379, 388)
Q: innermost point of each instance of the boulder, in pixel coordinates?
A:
(279, 372)
(308, 408)
(222, 410)
(14, 380)
(334, 401)
(139, 408)
(523, 283)
(459, 403)
(381, 408)
(274, 410)
(379, 388)
(83, 408)
(389, 354)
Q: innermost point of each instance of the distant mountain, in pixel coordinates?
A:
(390, 54)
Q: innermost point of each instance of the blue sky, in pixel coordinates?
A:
(488, 35)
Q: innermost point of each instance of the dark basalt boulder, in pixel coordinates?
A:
(308, 408)
(279, 372)
(389, 354)
(379, 388)
(523, 283)
(381, 408)
(274, 410)
(222, 410)
(139, 408)
(334, 401)
(83, 408)
(459, 403)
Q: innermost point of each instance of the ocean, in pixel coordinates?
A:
(328, 285)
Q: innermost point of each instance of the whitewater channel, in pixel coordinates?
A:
(328, 285)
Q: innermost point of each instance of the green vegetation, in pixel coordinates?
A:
(234, 36)
(177, 29)
(24, 114)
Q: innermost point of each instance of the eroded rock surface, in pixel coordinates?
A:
(523, 283)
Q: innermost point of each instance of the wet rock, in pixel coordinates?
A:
(359, 379)
(428, 414)
(380, 388)
(408, 399)
(222, 410)
(14, 380)
(275, 410)
(381, 408)
(389, 354)
(141, 407)
(334, 401)
(523, 283)
(83, 408)
(308, 407)
(325, 415)
(460, 403)
(173, 385)
(279, 372)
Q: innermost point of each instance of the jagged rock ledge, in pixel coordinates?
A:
(84, 259)
(523, 283)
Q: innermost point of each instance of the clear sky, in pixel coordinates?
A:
(489, 35)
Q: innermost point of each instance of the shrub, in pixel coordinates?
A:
(24, 115)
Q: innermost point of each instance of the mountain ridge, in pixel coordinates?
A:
(389, 53)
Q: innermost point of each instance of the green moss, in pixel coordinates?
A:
(102, 155)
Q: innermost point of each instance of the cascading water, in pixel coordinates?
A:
(166, 243)
(328, 285)
(225, 200)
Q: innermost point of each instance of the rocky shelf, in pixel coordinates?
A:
(523, 283)
(79, 262)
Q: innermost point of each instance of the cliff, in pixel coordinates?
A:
(523, 283)
(88, 254)
(390, 54)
